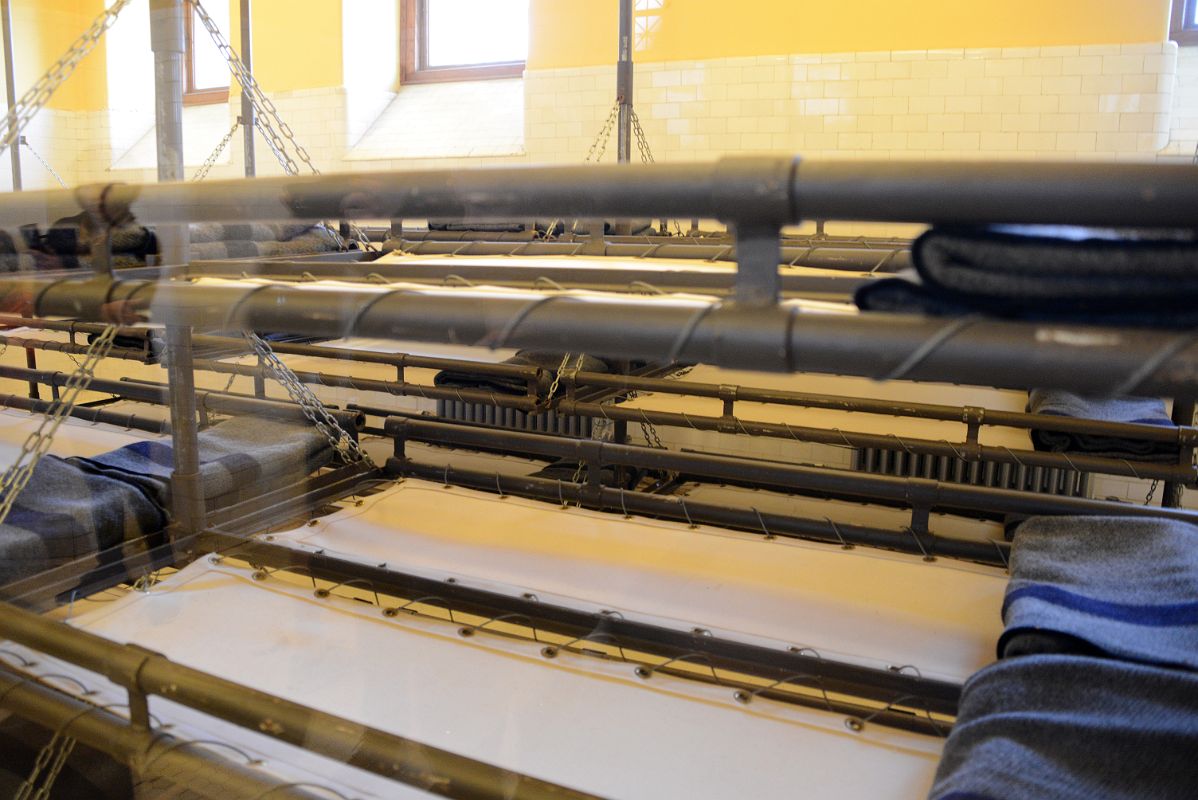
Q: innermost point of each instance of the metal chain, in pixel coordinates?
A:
(25, 790)
(599, 146)
(40, 93)
(642, 143)
(557, 378)
(651, 437)
(596, 152)
(1151, 492)
(350, 450)
(25, 142)
(267, 121)
(65, 746)
(276, 131)
(17, 476)
(203, 171)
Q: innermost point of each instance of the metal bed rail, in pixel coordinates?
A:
(1185, 437)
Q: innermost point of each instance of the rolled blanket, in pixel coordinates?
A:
(238, 454)
(317, 241)
(504, 385)
(1072, 728)
(67, 512)
(246, 232)
(1140, 410)
(1123, 586)
(1080, 274)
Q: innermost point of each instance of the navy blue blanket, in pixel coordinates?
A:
(1074, 274)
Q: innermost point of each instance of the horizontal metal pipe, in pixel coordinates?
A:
(414, 763)
(237, 344)
(982, 352)
(1179, 435)
(397, 388)
(836, 436)
(127, 354)
(88, 414)
(719, 239)
(148, 752)
(989, 552)
(915, 492)
(987, 193)
(814, 257)
(216, 402)
(776, 190)
(679, 642)
(721, 190)
(530, 273)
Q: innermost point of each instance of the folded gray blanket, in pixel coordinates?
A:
(1057, 727)
(78, 506)
(246, 232)
(1139, 410)
(1123, 586)
(1116, 277)
(238, 454)
(67, 512)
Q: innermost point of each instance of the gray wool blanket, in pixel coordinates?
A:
(75, 507)
(1068, 727)
(1095, 694)
(1126, 586)
(236, 455)
(67, 512)
(1141, 410)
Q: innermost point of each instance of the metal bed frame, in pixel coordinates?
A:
(749, 330)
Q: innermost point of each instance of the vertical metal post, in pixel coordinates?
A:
(247, 105)
(167, 41)
(1183, 414)
(187, 494)
(624, 82)
(624, 98)
(10, 87)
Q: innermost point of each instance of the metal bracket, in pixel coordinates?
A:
(758, 253)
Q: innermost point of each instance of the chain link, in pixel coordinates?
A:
(557, 378)
(1151, 492)
(203, 171)
(277, 132)
(351, 451)
(17, 476)
(40, 93)
(25, 143)
(642, 143)
(599, 146)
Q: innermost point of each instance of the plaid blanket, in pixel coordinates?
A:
(238, 454)
(77, 506)
(67, 512)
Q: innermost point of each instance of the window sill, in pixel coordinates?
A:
(472, 119)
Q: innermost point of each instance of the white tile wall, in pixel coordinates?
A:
(1053, 102)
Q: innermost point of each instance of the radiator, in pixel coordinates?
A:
(487, 414)
(1043, 480)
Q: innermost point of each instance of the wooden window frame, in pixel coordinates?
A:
(1178, 30)
(191, 95)
(414, 57)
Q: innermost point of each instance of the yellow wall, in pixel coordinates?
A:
(575, 33)
(297, 43)
(42, 32)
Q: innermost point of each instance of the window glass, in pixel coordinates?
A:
(209, 69)
(466, 32)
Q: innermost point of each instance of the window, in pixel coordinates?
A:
(463, 40)
(1184, 27)
(207, 72)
